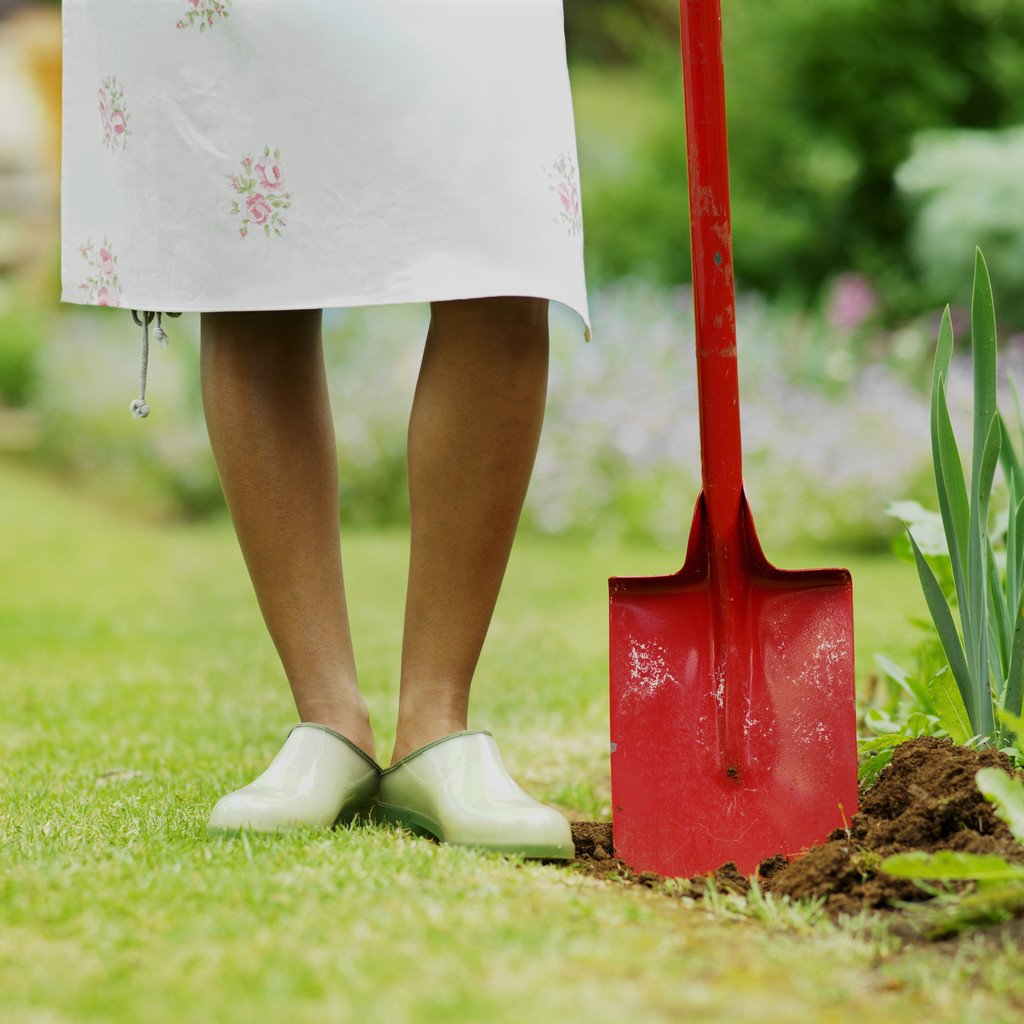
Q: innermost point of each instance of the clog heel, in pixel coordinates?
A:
(458, 790)
(318, 778)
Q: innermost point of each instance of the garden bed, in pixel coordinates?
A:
(926, 799)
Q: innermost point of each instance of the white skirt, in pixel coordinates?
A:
(289, 154)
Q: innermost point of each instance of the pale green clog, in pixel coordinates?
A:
(318, 778)
(458, 790)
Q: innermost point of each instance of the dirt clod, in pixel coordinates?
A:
(926, 799)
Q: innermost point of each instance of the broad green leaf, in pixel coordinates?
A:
(1013, 722)
(880, 722)
(881, 742)
(873, 765)
(926, 525)
(1007, 793)
(952, 865)
(948, 636)
(921, 724)
(949, 706)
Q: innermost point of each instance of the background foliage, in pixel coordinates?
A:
(826, 101)
(873, 145)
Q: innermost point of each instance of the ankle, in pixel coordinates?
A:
(413, 735)
(350, 718)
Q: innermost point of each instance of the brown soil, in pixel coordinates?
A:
(926, 799)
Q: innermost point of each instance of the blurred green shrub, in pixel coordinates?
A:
(21, 336)
(967, 188)
(825, 98)
(87, 380)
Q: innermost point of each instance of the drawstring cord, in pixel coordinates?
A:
(138, 408)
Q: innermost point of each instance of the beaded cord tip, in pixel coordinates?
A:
(143, 319)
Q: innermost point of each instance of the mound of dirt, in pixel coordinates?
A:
(926, 799)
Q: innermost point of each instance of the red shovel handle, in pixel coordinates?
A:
(711, 246)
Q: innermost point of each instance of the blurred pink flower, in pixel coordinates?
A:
(851, 302)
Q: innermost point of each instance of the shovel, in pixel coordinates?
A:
(732, 687)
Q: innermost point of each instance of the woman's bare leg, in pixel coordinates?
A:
(473, 436)
(269, 420)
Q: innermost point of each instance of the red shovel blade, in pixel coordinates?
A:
(707, 769)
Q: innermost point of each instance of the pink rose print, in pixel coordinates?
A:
(113, 115)
(258, 209)
(203, 12)
(566, 188)
(102, 287)
(260, 188)
(268, 171)
(105, 262)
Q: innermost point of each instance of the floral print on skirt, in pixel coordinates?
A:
(264, 154)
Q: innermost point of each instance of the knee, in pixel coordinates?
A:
(259, 344)
(516, 319)
(524, 312)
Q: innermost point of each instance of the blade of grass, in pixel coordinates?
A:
(1012, 465)
(1000, 623)
(1015, 527)
(911, 685)
(983, 348)
(985, 454)
(1014, 698)
(975, 622)
(1014, 523)
(946, 628)
(951, 484)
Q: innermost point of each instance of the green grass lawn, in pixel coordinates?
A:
(138, 686)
